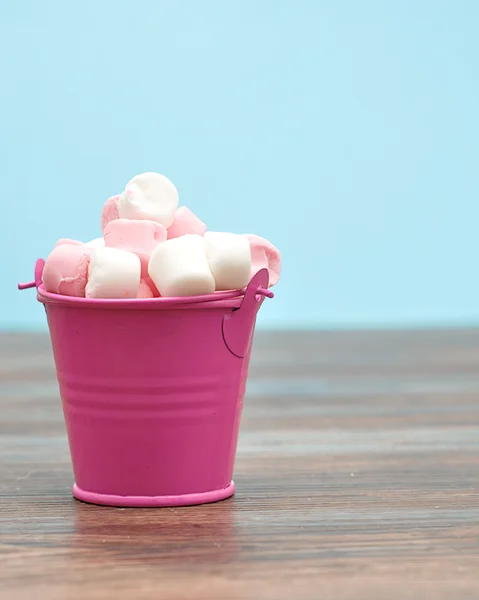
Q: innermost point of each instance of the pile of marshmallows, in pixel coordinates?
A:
(152, 248)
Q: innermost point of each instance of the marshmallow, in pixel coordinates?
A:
(66, 269)
(144, 291)
(185, 221)
(96, 243)
(229, 258)
(149, 196)
(179, 267)
(110, 211)
(68, 241)
(264, 255)
(139, 237)
(149, 281)
(113, 273)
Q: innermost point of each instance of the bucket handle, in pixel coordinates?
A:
(38, 276)
(238, 325)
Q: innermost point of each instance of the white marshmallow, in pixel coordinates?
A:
(96, 243)
(178, 267)
(229, 258)
(149, 196)
(113, 273)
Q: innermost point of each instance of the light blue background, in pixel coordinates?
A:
(346, 132)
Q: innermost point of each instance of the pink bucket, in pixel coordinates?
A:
(152, 392)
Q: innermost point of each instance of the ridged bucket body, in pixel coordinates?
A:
(152, 394)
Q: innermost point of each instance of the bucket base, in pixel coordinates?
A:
(151, 501)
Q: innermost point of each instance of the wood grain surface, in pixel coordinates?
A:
(357, 477)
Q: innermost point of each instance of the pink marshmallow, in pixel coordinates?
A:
(264, 255)
(144, 291)
(110, 211)
(66, 270)
(146, 277)
(185, 221)
(68, 241)
(140, 237)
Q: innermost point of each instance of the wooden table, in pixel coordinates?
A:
(357, 477)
